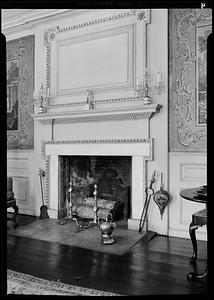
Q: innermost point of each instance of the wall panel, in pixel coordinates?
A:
(96, 60)
(186, 170)
(20, 168)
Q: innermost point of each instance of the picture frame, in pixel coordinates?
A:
(202, 33)
(13, 94)
(20, 86)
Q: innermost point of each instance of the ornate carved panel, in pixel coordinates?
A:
(187, 129)
(111, 52)
(20, 72)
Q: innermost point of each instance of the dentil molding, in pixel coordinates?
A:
(142, 112)
(96, 141)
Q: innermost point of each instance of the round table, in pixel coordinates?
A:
(194, 195)
(198, 219)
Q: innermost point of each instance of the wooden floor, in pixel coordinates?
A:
(159, 267)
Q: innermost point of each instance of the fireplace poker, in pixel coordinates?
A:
(149, 192)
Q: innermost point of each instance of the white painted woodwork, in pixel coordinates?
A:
(95, 60)
(132, 45)
(139, 151)
(186, 170)
(20, 166)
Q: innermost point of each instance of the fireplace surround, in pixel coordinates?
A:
(80, 133)
(140, 150)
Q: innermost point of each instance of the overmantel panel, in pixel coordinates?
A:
(98, 61)
(104, 54)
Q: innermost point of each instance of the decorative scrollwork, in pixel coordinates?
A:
(183, 98)
(188, 136)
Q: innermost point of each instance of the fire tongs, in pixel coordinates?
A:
(149, 192)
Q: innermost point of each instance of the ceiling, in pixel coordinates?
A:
(11, 18)
(10, 13)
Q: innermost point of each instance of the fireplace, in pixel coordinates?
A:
(78, 176)
(117, 154)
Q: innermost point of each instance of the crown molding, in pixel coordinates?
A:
(28, 19)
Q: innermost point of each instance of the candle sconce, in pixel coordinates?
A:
(159, 86)
(145, 88)
(139, 89)
(42, 98)
(142, 88)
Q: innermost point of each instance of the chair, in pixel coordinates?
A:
(11, 201)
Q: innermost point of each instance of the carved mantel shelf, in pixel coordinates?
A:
(142, 112)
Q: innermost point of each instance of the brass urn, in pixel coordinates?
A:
(106, 228)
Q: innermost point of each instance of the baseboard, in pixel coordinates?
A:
(24, 211)
(149, 236)
(185, 234)
(21, 214)
(133, 224)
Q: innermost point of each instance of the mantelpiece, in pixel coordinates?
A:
(126, 134)
(141, 112)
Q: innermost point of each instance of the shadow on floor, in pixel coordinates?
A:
(21, 219)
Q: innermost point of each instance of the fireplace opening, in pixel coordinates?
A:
(78, 176)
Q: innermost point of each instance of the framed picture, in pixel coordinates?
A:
(12, 94)
(202, 33)
(20, 85)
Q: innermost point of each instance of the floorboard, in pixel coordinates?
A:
(158, 267)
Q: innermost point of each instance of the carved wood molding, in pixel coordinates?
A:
(98, 141)
(136, 113)
(95, 141)
(46, 180)
(101, 101)
(142, 15)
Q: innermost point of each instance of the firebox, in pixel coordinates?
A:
(78, 176)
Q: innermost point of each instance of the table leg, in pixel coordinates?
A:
(192, 275)
(195, 275)
(192, 229)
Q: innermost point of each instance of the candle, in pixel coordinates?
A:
(34, 94)
(158, 79)
(137, 83)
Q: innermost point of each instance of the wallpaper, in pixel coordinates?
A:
(188, 32)
(20, 84)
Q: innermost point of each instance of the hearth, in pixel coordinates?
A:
(78, 176)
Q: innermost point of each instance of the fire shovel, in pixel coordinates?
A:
(43, 208)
